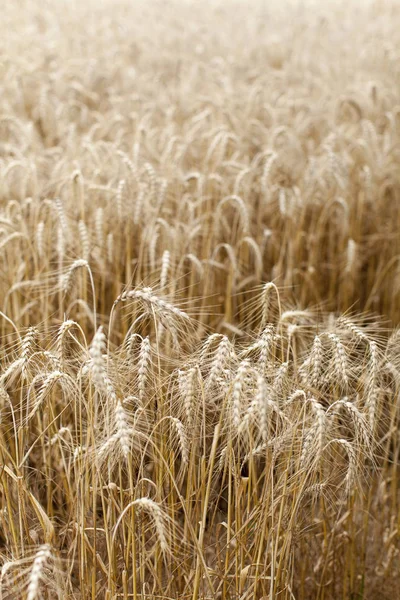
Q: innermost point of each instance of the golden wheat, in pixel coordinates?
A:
(199, 300)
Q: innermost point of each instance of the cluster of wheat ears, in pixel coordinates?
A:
(199, 295)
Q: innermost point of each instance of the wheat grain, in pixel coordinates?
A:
(154, 303)
(238, 385)
(183, 444)
(155, 511)
(144, 365)
(124, 430)
(68, 277)
(42, 557)
(165, 267)
(340, 362)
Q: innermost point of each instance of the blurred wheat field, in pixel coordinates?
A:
(199, 300)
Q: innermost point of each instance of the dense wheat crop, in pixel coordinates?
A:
(199, 295)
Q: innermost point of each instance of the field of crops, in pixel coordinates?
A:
(199, 300)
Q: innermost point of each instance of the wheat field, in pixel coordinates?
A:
(199, 300)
